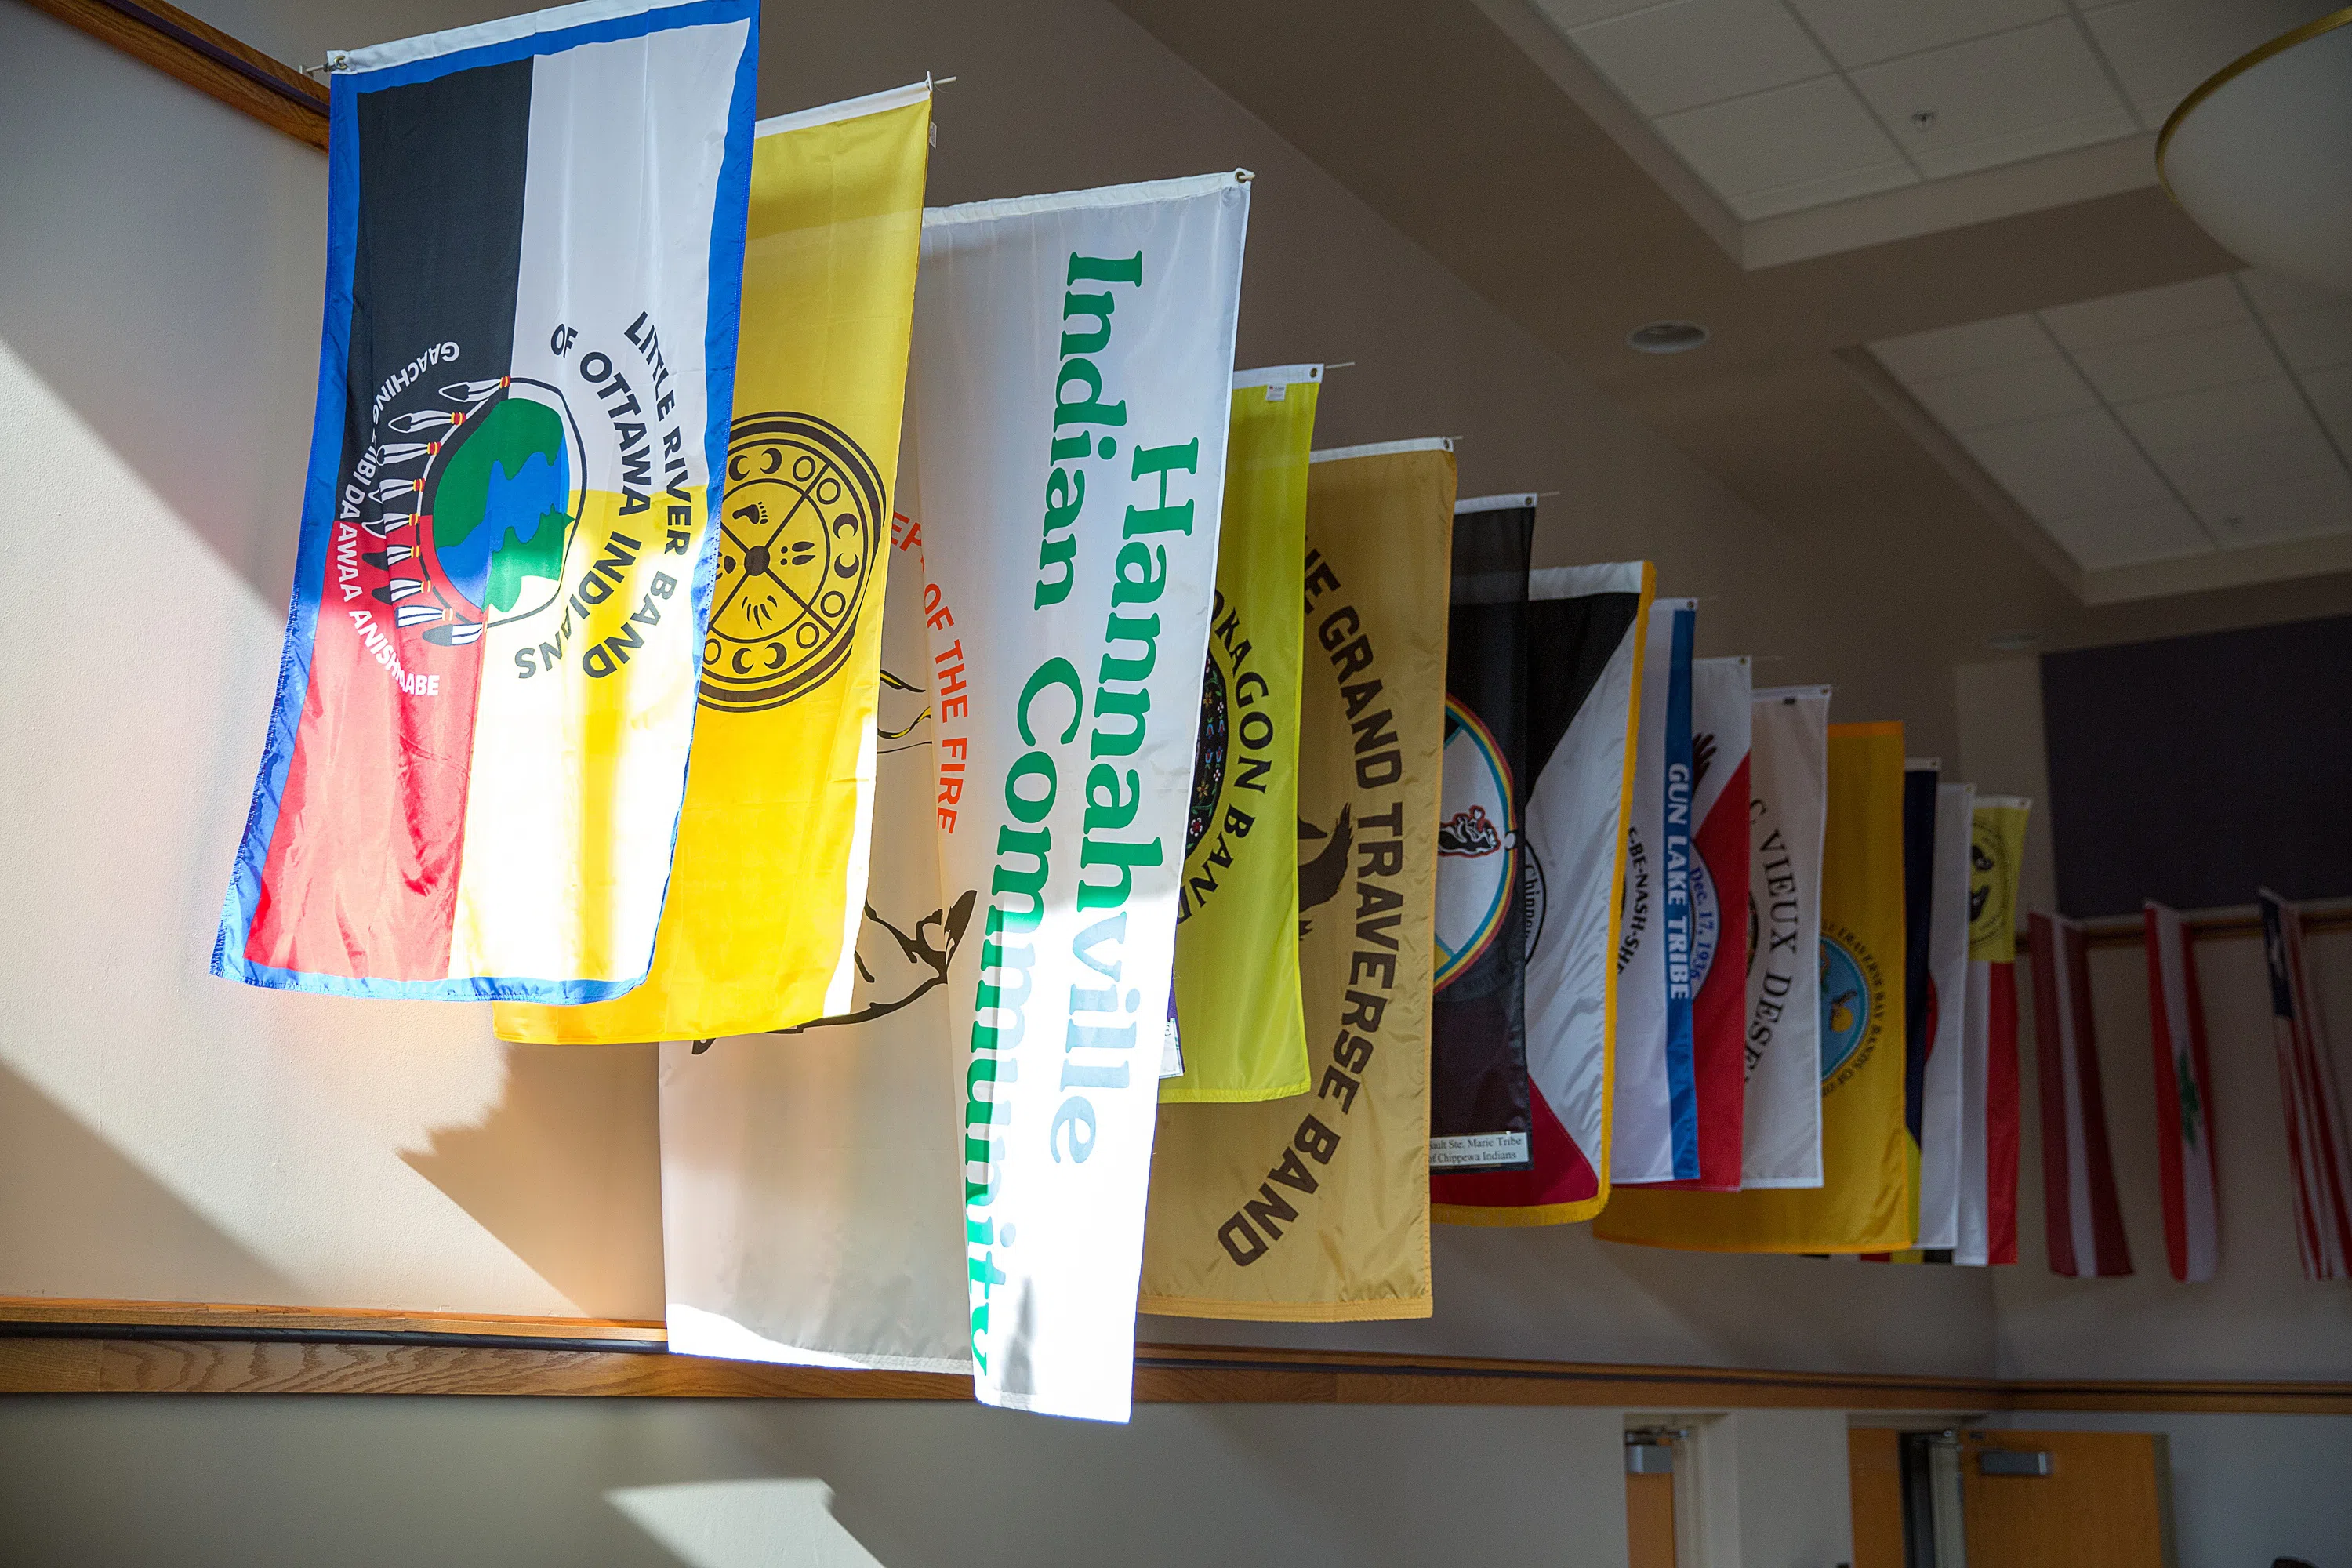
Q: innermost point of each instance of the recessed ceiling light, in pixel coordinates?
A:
(2014, 642)
(1667, 338)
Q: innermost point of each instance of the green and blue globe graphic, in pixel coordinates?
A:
(504, 505)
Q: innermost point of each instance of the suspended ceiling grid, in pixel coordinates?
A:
(2203, 417)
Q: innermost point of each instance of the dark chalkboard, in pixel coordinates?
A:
(2195, 770)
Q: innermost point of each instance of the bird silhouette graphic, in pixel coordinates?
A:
(1319, 879)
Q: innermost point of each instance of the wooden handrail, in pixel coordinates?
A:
(97, 1347)
(206, 58)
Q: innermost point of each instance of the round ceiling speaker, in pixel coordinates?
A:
(2260, 155)
(1667, 338)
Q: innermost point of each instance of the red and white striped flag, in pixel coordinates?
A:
(2314, 1114)
(2083, 1221)
(1989, 1111)
(2184, 1100)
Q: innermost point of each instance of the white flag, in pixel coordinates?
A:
(1074, 360)
(1943, 1104)
(1788, 788)
(810, 1211)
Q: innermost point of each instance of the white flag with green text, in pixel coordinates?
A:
(1074, 362)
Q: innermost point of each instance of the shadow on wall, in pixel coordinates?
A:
(57, 1175)
(175, 272)
(565, 1170)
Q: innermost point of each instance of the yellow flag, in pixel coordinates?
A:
(1996, 860)
(768, 880)
(1864, 1203)
(1236, 1016)
(1317, 1208)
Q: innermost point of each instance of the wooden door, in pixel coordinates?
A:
(1874, 1479)
(1650, 1520)
(2101, 1504)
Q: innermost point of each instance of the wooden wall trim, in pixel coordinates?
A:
(126, 1347)
(142, 1320)
(206, 58)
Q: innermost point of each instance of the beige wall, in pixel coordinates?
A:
(262, 1482)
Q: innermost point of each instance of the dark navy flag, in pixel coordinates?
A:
(1478, 1059)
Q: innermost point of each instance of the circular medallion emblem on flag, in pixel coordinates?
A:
(1854, 1004)
(477, 537)
(1477, 843)
(799, 538)
(1209, 755)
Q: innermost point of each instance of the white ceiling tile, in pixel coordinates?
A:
(2072, 463)
(2314, 340)
(2140, 368)
(1690, 52)
(1775, 200)
(2031, 141)
(1817, 131)
(1861, 32)
(2162, 49)
(2128, 535)
(2016, 95)
(1567, 13)
(2288, 509)
(2232, 437)
(1976, 345)
(2146, 313)
(2004, 395)
(2274, 295)
(2331, 394)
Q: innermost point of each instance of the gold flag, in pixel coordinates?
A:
(1864, 1203)
(1235, 1016)
(1317, 1208)
(768, 880)
(1996, 860)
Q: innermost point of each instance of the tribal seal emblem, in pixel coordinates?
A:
(472, 519)
(802, 533)
(1479, 879)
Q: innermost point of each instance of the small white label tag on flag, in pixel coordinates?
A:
(1475, 1149)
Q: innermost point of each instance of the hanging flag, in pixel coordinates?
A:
(1317, 1208)
(1653, 1136)
(1077, 347)
(1236, 1025)
(2184, 1100)
(1788, 786)
(2315, 1143)
(1586, 629)
(1919, 781)
(1722, 720)
(2083, 1220)
(767, 887)
(1479, 1116)
(1989, 1103)
(471, 782)
(1865, 1202)
(1944, 1088)
(810, 1205)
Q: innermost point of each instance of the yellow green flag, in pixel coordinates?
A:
(1864, 1203)
(1996, 862)
(1234, 1022)
(768, 880)
(1317, 1208)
